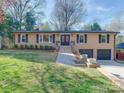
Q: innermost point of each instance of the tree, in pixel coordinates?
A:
(87, 27)
(67, 13)
(2, 17)
(46, 27)
(6, 29)
(30, 21)
(117, 23)
(119, 39)
(19, 8)
(95, 27)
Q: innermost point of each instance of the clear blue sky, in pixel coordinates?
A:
(101, 10)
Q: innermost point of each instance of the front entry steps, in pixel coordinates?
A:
(65, 56)
(65, 49)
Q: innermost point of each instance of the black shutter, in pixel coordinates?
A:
(37, 38)
(85, 38)
(19, 38)
(53, 38)
(108, 37)
(77, 38)
(26, 38)
(99, 38)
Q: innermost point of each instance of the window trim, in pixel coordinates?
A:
(50, 41)
(21, 38)
(40, 38)
(83, 39)
(105, 39)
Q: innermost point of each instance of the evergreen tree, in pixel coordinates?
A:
(29, 21)
(96, 27)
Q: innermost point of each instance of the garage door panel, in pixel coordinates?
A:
(104, 54)
(89, 52)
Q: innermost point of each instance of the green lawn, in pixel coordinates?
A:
(120, 61)
(36, 72)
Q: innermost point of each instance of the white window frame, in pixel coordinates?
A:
(50, 41)
(83, 39)
(21, 38)
(43, 38)
(40, 38)
(105, 38)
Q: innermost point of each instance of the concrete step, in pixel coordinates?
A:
(65, 49)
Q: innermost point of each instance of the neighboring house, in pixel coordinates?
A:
(96, 44)
(120, 51)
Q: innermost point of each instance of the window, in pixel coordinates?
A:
(103, 38)
(23, 38)
(82, 38)
(50, 38)
(18, 38)
(45, 38)
(41, 38)
(37, 38)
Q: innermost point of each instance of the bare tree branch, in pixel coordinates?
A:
(18, 9)
(67, 13)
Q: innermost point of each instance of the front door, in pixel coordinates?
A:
(65, 39)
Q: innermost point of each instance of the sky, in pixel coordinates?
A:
(102, 11)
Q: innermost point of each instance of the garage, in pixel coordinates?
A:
(89, 52)
(104, 54)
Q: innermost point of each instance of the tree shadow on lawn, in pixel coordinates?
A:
(31, 57)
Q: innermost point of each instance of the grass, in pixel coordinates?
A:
(120, 61)
(36, 72)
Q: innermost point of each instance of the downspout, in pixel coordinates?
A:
(115, 46)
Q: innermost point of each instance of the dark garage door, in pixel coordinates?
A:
(89, 52)
(104, 54)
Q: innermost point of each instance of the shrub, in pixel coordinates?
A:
(36, 46)
(41, 47)
(47, 47)
(53, 48)
(31, 47)
(26, 46)
(21, 46)
(15, 46)
(50, 48)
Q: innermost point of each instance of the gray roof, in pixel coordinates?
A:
(70, 31)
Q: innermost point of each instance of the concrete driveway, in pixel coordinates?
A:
(113, 68)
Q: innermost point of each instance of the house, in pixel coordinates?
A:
(120, 51)
(96, 44)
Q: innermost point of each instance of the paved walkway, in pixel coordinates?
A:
(65, 56)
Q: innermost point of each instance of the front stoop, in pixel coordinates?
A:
(113, 78)
(65, 56)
